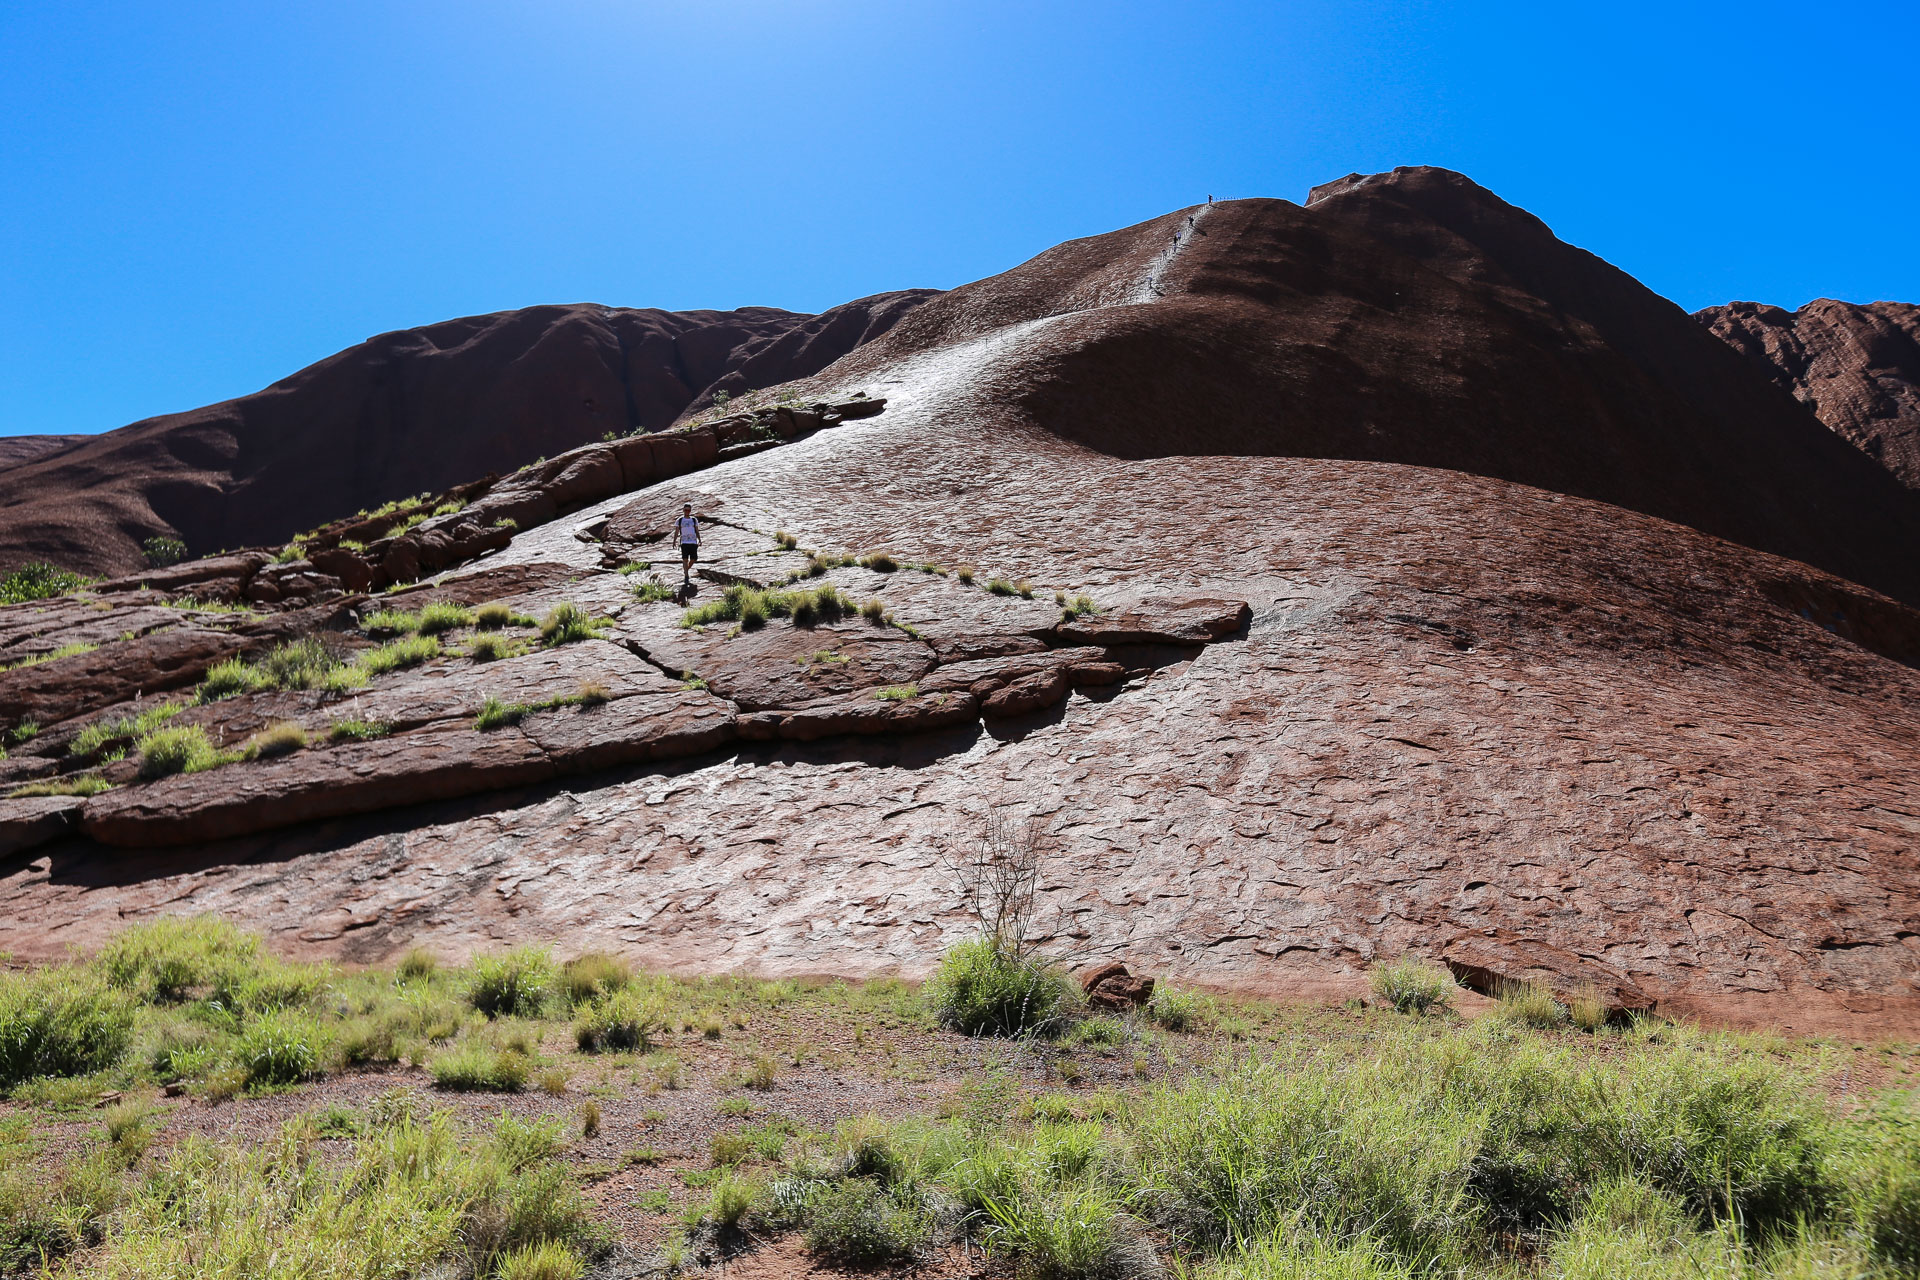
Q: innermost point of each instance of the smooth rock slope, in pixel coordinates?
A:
(1531, 732)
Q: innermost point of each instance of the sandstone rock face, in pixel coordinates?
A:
(417, 410)
(1856, 367)
(1414, 318)
(1332, 709)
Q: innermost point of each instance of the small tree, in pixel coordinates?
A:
(998, 983)
(997, 876)
(162, 552)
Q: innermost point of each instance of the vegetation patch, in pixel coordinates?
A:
(74, 650)
(80, 784)
(105, 733)
(38, 581)
(751, 607)
(898, 693)
(179, 749)
(567, 623)
(357, 730)
(280, 739)
(1412, 985)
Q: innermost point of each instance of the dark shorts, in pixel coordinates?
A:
(689, 551)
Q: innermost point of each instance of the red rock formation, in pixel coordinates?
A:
(406, 412)
(1529, 734)
(1408, 317)
(16, 450)
(1857, 367)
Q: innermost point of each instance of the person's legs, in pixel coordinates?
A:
(688, 554)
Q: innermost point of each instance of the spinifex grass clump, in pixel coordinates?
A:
(1412, 985)
(180, 749)
(514, 984)
(567, 623)
(752, 607)
(60, 1021)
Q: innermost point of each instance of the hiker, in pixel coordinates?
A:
(689, 532)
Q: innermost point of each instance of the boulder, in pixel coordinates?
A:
(34, 820)
(588, 475)
(864, 713)
(859, 407)
(1026, 694)
(1110, 987)
(1159, 620)
(354, 573)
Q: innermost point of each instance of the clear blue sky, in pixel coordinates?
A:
(198, 198)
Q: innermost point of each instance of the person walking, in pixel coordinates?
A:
(689, 532)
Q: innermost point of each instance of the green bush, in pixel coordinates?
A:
(102, 733)
(38, 581)
(280, 739)
(1412, 985)
(60, 1022)
(752, 607)
(595, 974)
(170, 958)
(732, 1198)
(493, 616)
(474, 1067)
(858, 1223)
(177, 749)
(983, 989)
(80, 784)
(442, 615)
(296, 664)
(490, 646)
(228, 679)
(1073, 1232)
(1179, 1010)
(1530, 1005)
(162, 552)
(408, 651)
(548, 1260)
(514, 984)
(621, 1021)
(357, 730)
(281, 1049)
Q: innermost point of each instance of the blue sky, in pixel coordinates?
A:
(199, 198)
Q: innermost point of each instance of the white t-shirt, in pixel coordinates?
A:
(689, 531)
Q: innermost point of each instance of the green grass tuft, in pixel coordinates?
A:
(1412, 985)
(567, 623)
(179, 749)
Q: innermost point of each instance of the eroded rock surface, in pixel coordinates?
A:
(1330, 711)
(1857, 367)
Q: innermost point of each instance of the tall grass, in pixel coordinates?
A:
(60, 1021)
(412, 1198)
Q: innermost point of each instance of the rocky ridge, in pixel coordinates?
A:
(419, 410)
(1856, 367)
